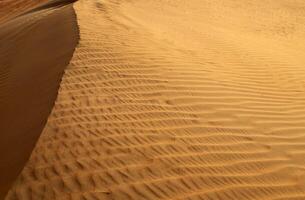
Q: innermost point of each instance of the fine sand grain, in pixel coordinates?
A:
(177, 99)
(34, 49)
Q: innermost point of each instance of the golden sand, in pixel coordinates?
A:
(177, 99)
(34, 50)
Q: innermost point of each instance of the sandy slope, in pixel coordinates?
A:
(12, 8)
(34, 49)
(177, 99)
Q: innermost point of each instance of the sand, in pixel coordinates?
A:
(33, 55)
(177, 99)
(10, 9)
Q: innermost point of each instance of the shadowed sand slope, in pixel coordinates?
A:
(12, 8)
(34, 49)
(177, 99)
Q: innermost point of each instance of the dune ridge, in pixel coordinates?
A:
(34, 50)
(177, 99)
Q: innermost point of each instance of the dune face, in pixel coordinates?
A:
(12, 8)
(34, 50)
(177, 99)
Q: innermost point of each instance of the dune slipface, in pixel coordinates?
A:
(177, 99)
(34, 50)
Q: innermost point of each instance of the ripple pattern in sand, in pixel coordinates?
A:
(141, 116)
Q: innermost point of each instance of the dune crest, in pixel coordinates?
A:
(34, 50)
(177, 99)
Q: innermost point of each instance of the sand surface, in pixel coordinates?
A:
(177, 99)
(33, 55)
(12, 8)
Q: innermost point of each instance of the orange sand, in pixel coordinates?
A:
(177, 99)
(12, 8)
(34, 50)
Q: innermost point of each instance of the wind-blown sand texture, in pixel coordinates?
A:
(12, 8)
(177, 99)
(34, 50)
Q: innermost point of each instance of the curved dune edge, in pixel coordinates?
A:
(180, 100)
(35, 48)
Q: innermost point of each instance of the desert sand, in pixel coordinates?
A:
(33, 56)
(10, 9)
(175, 99)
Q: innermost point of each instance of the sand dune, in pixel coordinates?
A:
(34, 49)
(177, 99)
(12, 8)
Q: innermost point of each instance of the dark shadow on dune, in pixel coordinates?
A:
(50, 4)
(34, 52)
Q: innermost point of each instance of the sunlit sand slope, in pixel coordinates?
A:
(177, 99)
(34, 49)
